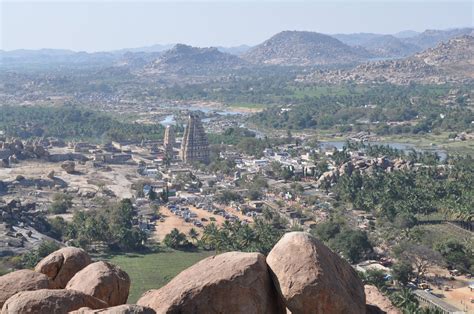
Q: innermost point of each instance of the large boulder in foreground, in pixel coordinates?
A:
(21, 280)
(233, 282)
(61, 265)
(119, 309)
(313, 279)
(377, 302)
(104, 281)
(49, 301)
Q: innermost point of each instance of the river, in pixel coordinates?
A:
(406, 147)
(170, 120)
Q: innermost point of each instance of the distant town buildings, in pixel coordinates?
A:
(195, 145)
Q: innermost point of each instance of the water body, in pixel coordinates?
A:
(170, 119)
(208, 110)
(405, 147)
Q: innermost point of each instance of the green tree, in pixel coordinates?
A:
(30, 259)
(354, 245)
(326, 230)
(375, 277)
(193, 234)
(122, 233)
(456, 254)
(405, 300)
(402, 272)
(175, 239)
(61, 203)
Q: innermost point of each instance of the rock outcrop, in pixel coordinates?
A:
(51, 175)
(377, 302)
(233, 282)
(23, 226)
(69, 166)
(300, 275)
(61, 265)
(21, 280)
(120, 309)
(449, 62)
(49, 301)
(312, 279)
(364, 166)
(104, 281)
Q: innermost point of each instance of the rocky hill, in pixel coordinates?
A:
(448, 62)
(388, 46)
(404, 45)
(317, 281)
(137, 59)
(184, 59)
(304, 49)
(431, 38)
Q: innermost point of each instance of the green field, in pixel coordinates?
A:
(434, 141)
(318, 91)
(440, 232)
(154, 270)
(243, 105)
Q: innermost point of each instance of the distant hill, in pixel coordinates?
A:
(401, 44)
(381, 46)
(184, 59)
(448, 62)
(388, 46)
(237, 50)
(45, 57)
(356, 39)
(304, 49)
(152, 48)
(137, 59)
(406, 34)
(431, 38)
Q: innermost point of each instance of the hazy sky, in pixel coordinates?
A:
(107, 25)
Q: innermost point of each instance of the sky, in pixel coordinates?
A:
(108, 25)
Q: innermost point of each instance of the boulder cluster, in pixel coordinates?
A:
(431, 66)
(14, 150)
(65, 281)
(23, 227)
(14, 212)
(366, 165)
(300, 275)
(22, 215)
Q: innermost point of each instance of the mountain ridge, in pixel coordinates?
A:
(450, 61)
(396, 45)
(185, 59)
(303, 48)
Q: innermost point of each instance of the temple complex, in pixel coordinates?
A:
(169, 141)
(194, 146)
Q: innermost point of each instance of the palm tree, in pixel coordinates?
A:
(211, 237)
(405, 299)
(246, 236)
(193, 234)
(175, 239)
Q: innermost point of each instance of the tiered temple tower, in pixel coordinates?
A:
(169, 141)
(194, 146)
